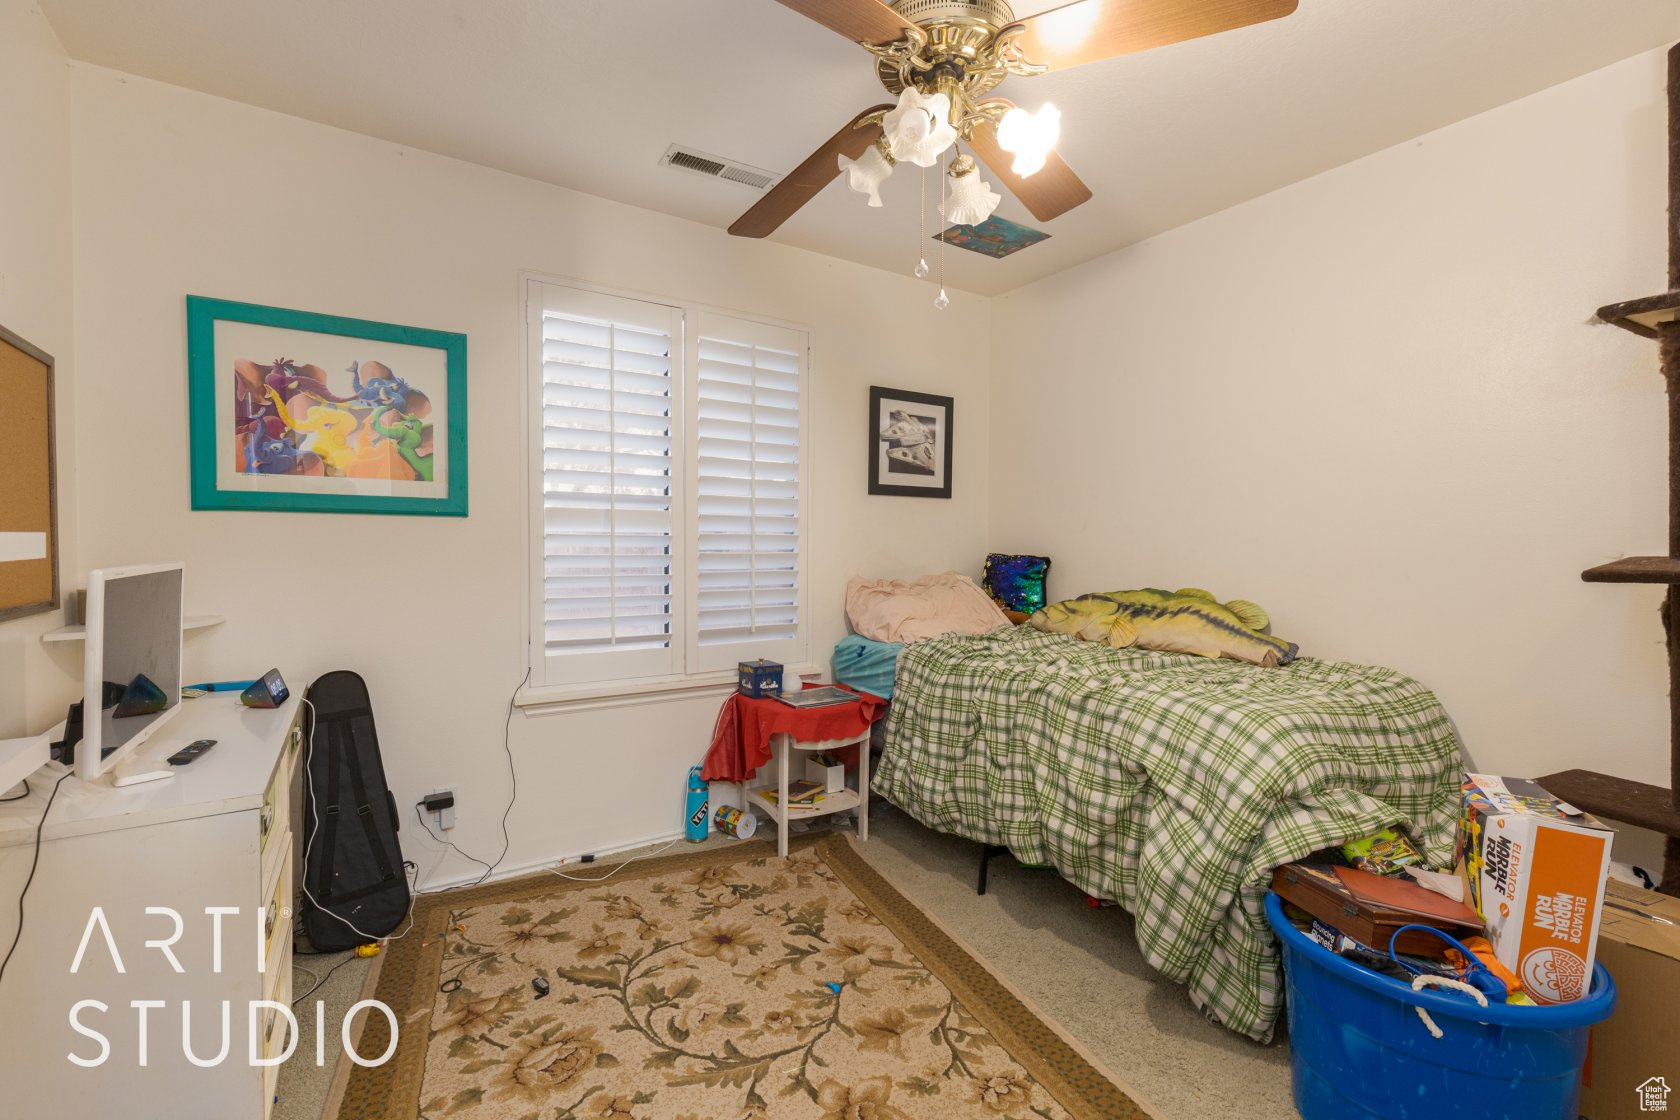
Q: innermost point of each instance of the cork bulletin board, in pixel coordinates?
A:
(28, 494)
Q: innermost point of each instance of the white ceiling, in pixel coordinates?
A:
(588, 94)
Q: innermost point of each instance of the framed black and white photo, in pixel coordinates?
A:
(909, 443)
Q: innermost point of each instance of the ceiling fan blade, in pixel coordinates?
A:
(801, 184)
(1092, 30)
(1049, 192)
(861, 21)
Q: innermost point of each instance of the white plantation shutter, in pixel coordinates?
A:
(748, 394)
(669, 522)
(609, 485)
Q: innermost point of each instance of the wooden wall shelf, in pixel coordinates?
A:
(1642, 316)
(1616, 799)
(1636, 569)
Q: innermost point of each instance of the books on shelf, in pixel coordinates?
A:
(802, 794)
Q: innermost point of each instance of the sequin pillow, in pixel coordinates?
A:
(1016, 581)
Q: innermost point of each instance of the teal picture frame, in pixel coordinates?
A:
(262, 484)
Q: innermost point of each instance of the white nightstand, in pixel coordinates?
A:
(782, 748)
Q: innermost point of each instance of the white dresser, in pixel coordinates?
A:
(218, 834)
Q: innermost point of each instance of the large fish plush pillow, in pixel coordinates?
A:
(1188, 620)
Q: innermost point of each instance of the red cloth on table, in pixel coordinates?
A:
(741, 739)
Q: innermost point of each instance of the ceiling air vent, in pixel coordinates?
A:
(716, 167)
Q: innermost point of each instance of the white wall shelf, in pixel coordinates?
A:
(77, 632)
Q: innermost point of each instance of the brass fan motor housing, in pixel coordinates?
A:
(997, 13)
(961, 45)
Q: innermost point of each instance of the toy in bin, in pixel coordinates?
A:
(759, 678)
(1382, 853)
(1536, 868)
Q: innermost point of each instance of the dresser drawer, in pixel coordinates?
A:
(274, 1027)
(277, 899)
(279, 973)
(274, 819)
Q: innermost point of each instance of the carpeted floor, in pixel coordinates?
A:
(1078, 965)
(1082, 968)
(303, 1087)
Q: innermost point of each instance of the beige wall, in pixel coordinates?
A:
(35, 304)
(1373, 402)
(178, 192)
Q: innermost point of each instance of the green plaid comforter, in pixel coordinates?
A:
(1173, 784)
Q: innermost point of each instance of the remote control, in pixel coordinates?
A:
(191, 751)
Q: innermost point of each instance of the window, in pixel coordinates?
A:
(669, 500)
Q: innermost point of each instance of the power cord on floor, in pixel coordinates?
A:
(451, 844)
(614, 871)
(315, 987)
(19, 797)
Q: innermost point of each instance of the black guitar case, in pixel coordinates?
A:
(356, 889)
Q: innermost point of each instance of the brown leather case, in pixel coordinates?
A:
(1316, 889)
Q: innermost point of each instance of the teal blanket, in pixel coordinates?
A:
(866, 665)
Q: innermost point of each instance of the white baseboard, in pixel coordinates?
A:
(568, 860)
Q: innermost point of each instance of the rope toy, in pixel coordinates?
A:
(1423, 980)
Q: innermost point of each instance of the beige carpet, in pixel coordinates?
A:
(713, 985)
(1084, 969)
(303, 1087)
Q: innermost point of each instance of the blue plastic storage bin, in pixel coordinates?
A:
(1359, 1050)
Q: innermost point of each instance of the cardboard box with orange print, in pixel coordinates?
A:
(1536, 868)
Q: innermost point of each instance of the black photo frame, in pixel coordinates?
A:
(910, 442)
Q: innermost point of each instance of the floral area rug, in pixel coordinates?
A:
(722, 984)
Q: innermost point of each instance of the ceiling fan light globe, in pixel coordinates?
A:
(1024, 164)
(866, 173)
(920, 128)
(971, 201)
(913, 128)
(1030, 136)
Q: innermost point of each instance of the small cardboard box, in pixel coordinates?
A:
(1536, 870)
(1634, 1060)
(832, 775)
(758, 678)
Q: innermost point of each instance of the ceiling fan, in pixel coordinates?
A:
(942, 57)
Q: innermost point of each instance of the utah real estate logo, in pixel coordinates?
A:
(1653, 1095)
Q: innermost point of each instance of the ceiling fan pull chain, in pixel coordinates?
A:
(921, 228)
(942, 301)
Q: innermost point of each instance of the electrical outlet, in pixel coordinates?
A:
(444, 818)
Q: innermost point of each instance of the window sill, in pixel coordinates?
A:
(622, 694)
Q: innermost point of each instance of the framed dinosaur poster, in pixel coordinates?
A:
(298, 411)
(28, 494)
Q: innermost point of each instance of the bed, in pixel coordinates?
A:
(1170, 783)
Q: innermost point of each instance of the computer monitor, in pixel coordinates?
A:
(134, 618)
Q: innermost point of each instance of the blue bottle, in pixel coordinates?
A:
(697, 790)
